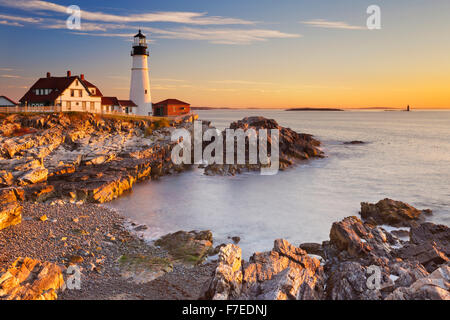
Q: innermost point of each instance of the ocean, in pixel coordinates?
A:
(406, 157)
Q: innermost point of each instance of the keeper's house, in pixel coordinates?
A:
(7, 102)
(73, 93)
(171, 107)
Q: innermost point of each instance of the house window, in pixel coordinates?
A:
(72, 93)
(76, 83)
(92, 106)
(81, 93)
(93, 91)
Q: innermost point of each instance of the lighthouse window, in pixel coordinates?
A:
(145, 91)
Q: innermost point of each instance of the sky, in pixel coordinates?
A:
(246, 53)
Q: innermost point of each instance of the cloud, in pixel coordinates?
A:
(321, 23)
(109, 25)
(10, 23)
(212, 35)
(21, 19)
(9, 75)
(242, 82)
(198, 18)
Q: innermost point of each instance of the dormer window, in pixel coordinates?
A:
(93, 91)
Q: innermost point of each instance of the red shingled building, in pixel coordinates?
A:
(171, 107)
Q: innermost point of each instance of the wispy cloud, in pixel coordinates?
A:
(102, 24)
(11, 76)
(21, 19)
(199, 18)
(212, 35)
(321, 23)
(10, 23)
(241, 82)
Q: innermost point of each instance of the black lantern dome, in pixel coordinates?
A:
(140, 45)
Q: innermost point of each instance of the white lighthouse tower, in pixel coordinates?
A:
(140, 81)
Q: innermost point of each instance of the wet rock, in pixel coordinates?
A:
(189, 247)
(391, 212)
(29, 279)
(354, 142)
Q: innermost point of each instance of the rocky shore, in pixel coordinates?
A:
(56, 170)
(360, 261)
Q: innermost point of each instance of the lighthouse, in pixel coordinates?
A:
(140, 81)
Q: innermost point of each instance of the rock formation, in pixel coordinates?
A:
(29, 279)
(81, 157)
(361, 261)
(293, 147)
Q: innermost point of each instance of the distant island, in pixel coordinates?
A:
(313, 109)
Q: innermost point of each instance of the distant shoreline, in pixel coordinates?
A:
(314, 109)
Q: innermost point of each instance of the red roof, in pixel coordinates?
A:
(5, 97)
(110, 101)
(172, 101)
(88, 84)
(58, 85)
(127, 103)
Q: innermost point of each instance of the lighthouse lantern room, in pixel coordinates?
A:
(140, 81)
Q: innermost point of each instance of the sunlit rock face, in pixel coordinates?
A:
(29, 279)
(82, 157)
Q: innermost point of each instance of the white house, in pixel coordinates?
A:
(7, 102)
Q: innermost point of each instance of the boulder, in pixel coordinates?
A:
(391, 212)
(189, 247)
(29, 279)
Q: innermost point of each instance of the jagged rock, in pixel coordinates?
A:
(284, 273)
(293, 146)
(391, 212)
(39, 192)
(348, 281)
(429, 245)
(227, 280)
(436, 286)
(190, 247)
(29, 279)
(355, 239)
(427, 232)
(313, 248)
(34, 176)
(10, 208)
(6, 178)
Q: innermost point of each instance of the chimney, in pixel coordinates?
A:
(48, 75)
(82, 76)
(69, 73)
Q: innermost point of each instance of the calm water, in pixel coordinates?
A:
(407, 158)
